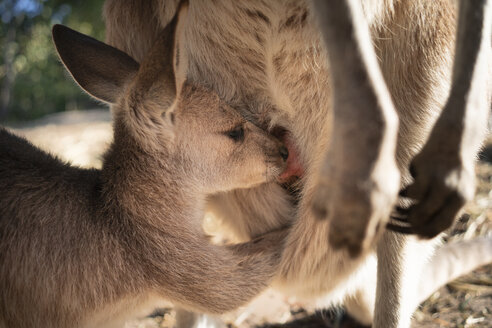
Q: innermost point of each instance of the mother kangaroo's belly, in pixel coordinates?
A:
(265, 59)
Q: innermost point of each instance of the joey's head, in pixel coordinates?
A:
(221, 147)
(157, 109)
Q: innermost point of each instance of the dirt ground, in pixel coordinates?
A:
(81, 137)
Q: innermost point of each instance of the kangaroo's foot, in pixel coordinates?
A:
(443, 172)
(359, 181)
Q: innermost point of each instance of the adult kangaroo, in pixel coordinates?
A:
(267, 60)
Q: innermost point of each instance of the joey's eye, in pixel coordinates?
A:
(237, 134)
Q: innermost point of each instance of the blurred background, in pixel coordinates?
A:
(33, 82)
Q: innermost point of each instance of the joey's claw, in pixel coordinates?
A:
(401, 212)
(400, 216)
(407, 230)
(404, 193)
(399, 219)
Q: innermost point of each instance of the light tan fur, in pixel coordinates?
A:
(443, 171)
(87, 248)
(358, 197)
(265, 58)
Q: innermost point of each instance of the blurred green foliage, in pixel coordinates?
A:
(33, 82)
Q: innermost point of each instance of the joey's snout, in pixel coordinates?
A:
(277, 157)
(269, 153)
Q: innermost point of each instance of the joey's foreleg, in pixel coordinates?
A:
(444, 177)
(217, 279)
(359, 179)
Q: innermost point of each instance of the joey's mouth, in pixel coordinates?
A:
(294, 169)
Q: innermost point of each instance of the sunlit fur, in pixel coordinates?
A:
(89, 248)
(265, 58)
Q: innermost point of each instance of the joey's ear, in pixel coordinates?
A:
(180, 57)
(101, 70)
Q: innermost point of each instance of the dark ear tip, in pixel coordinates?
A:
(57, 29)
(57, 33)
(60, 31)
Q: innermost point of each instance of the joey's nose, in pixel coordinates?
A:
(284, 153)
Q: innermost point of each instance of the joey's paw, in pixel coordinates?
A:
(358, 210)
(440, 189)
(269, 242)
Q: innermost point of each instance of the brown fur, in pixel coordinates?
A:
(80, 248)
(265, 58)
